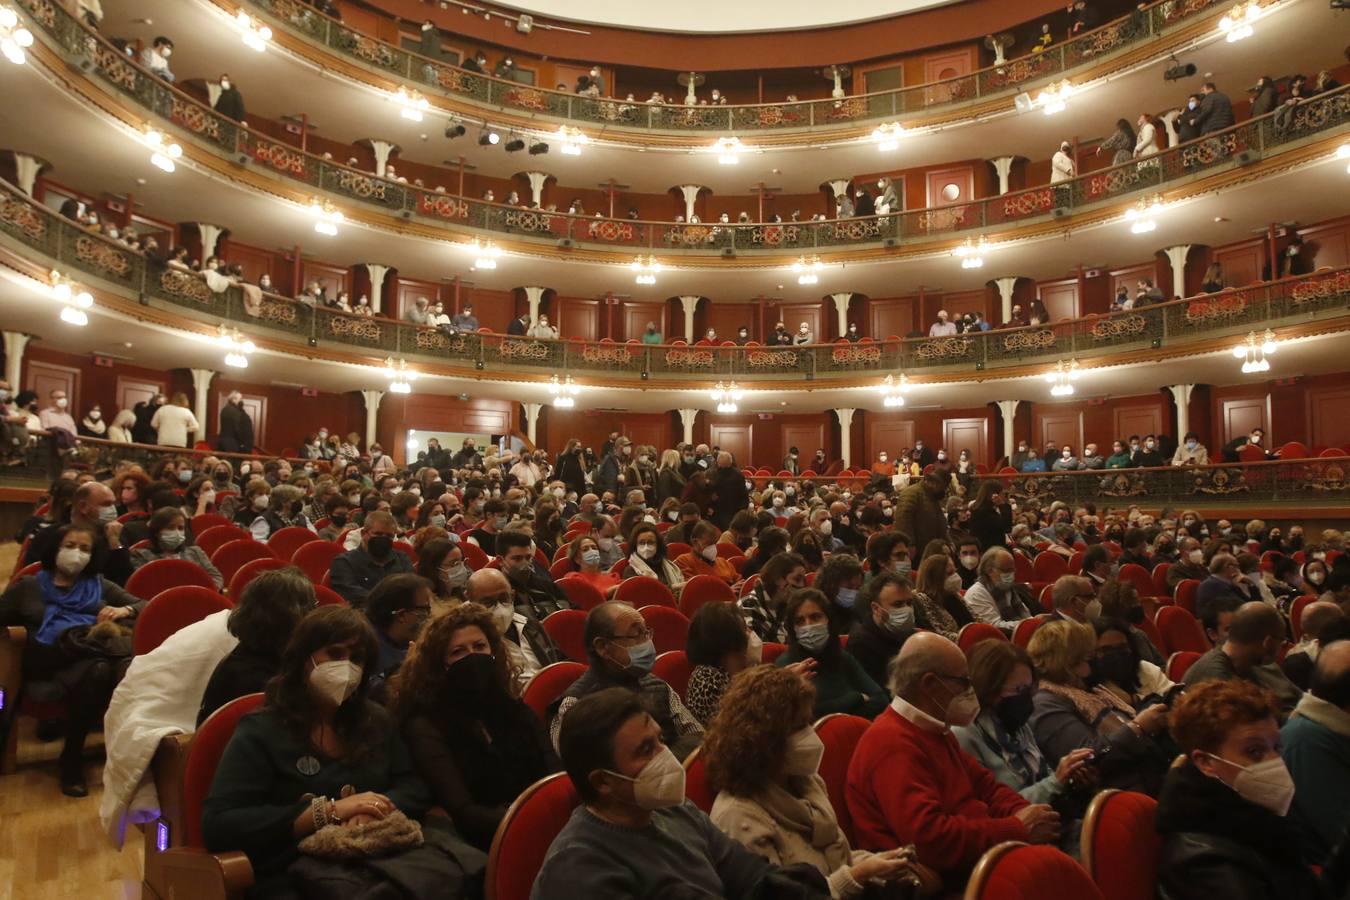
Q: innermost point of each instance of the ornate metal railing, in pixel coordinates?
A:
(54, 241)
(439, 77)
(1238, 145)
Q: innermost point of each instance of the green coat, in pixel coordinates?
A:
(842, 686)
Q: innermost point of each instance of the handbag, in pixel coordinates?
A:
(392, 834)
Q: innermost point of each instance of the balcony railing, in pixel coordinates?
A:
(1242, 144)
(1013, 76)
(63, 244)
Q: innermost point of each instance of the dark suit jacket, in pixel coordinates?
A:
(1216, 112)
(236, 430)
(516, 327)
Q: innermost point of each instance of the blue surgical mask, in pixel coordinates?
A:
(846, 597)
(642, 657)
(1191, 445)
(813, 637)
(1190, 104)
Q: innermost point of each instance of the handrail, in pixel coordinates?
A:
(64, 244)
(1243, 142)
(855, 109)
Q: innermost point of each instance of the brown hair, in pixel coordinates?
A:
(1205, 714)
(746, 742)
(991, 662)
(413, 689)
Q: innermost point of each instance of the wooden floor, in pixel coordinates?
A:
(52, 846)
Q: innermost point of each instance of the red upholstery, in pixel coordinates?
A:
(1150, 630)
(407, 550)
(1121, 845)
(327, 596)
(676, 549)
(251, 570)
(674, 669)
(566, 627)
(30, 569)
(230, 557)
(208, 745)
(748, 585)
(582, 593)
(840, 734)
(645, 591)
(1178, 664)
(208, 520)
(1049, 566)
(1076, 561)
(1138, 576)
(285, 542)
(972, 634)
(703, 589)
(1160, 579)
(315, 558)
(1186, 594)
(772, 650)
(727, 550)
(670, 629)
(696, 787)
(1047, 597)
(1180, 631)
(212, 539)
(560, 568)
(159, 575)
(1017, 871)
(1296, 613)
(171, 610)
(1026, 628)
(1022, 567)
(474, 556)
(525, 834)
(548, 684)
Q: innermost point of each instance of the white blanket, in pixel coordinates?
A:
(159, 696)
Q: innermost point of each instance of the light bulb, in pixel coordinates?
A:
(72, 316)
(160, 161)
(84, 300)
(1268, 348)
(1239, 352)
(8, 18)
(61, 291)
(327, 228)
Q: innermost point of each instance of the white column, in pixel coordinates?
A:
(841, 300)
(533, 294)
(537, 182)
(201, 386)
(690, 304)
(1182, 394)
(845, 438)
(382, 150)
(210, 237)
(15, 342)
(377, 274)
(687, 417)
(372, 399)
(840, 188)
(690, 194)
(532, 420)
(1169, 120)
(1008, 409)
(1177, 257)
(27, 168)
(1005, 287)
(1003, 166)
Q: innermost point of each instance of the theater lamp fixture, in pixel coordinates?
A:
(328, 217)
(14, 38)
(725, 396)
(1237, 24)
(163, 152)
(485, 254)
(893, 390)
(1141, 215)
(1343, 152)
(564, 392)
(237, 347)
(400, 376)
(570, 140)
(647, 268)
(887, 136)
(1054, 98)
(971, 253)
(728, 150)
(74, 299)
(254, 34)
(412, 104)
(1062, 378)
(1253, 352)
(807, 269)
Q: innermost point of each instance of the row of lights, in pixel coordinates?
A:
(14, 38)
(971, 252)
(1236, 25)
(74, 299)
(646, 269)
(1253, 352)
(564, 391)
(327, 217)
(237, 347)
(163, 152)
(400, 376)
(255, 35)
(726, 397)
(1142, 215)
(893, 391)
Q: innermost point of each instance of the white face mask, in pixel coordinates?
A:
(1266, 784)
(970, 560)
(335, 680)
(952, 583)
(1196, 557)
(660, 784)
(709, 553)
(1006, 579)
(171, 540)
(62, 403)
(260, 502)
(646, 551)
(71, 560)
(503, 615)
(962, 709)
(804, 752)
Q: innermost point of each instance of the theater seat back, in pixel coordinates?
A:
(644, 591)
(674, 669)
(1018, 871)
(159, 575)
(840, 734)
(696, 787)
(525, 834)
(208, 746)
(972, 634)
(1180, 631)
(1121, 845)
(172, 610)
(703, 589)
(548, 684)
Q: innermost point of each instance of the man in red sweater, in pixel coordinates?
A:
(911, 783)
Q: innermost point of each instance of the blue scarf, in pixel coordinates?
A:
(65, 608)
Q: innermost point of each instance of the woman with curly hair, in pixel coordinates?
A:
(471, 739)
(762, 758)
(130, 488)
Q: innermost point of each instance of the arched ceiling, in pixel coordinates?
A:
(715, 17)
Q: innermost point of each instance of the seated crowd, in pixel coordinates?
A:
(395, 685)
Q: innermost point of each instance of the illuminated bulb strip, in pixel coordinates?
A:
(1062, 378)
(571, 140)
(254, 35)
(14, 38)
(1253, 353)
(727, 150)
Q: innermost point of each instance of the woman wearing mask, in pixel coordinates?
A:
(990, 515)
(1194, 525)
(841, 683)
(887, 615)
(256, 501)
(130, 489)
(283, 511)
(441, 563)
(1071, 713)
(173, 421)
(477, 746)
(1119, 669)
(720, 646)
(765, 606)
(380, 463)
(806, 544)
(670, 481)
(647, 558)
(938, 595)
(763, 758)
(840, 579)
(1222, 813)
(92, 425)
(548, 525)
(640, 473)
(317, 755)
(570, 468)
(1314, 576)
(431, 514)
(1120, 600)
(167, 533)
(120, 429)
(60, 606)
(584, 553)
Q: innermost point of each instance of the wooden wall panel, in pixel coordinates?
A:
(1242, 263)
(889, 317)
(813, 314)
(1060, 298)
(131, 391)
(960, 302)
(967, 434)
(1140, 419)
(1238, 416)
(1057, 426)
(255, 261)
(494, 309)
(737, 439)
(334, 278)
(634, 316)
(255, 404)
(1129, 278)
(577, 318)
(1329, 244)
(45, 377)
(943, 66)
(408, 290)
(727, 318)
(807, 438)
(889, 434)
(1328, 417)
(651, 430)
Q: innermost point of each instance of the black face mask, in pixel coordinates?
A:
(338, 519)
(1119, 668)
(380, 545)
(1015, 711)
(471, 683)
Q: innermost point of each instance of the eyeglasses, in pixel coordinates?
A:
(638, 636)
(966, 683)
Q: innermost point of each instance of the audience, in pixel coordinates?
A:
(887, 616)
(993, 597)
(356, 573)
(167, 535)
(1247, 653)
(720, 646)
(842, 684)
(526, 641)
(398, 607)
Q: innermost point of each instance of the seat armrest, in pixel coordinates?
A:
(191, 873)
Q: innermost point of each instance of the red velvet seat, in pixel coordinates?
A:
(251, 570)
(159, 575)
(1179, 663)
(1022, 568)
(1076, 561)
(1159, 578)
(972, 634)
(208, 746)
(1049, 566)
(727, 550)
(1185, 596)
(674, 669)
(326, 596)
(772, 650)
(232, 556)
(703, 589)
(566, 627)
(475, 557)
(30, 569)
(407, 550)
(315, 558)
(1026, 628)
(1120, 845)
(696, 786)
(645, 591)
(172, 609)
(525, 834)
(558, 568)
(285, 542)
(1180, 631)
(212, 539)
(1150, 630)
(206, 521)
(1017, 871)
(1296, 613)
(670, 629)
(1138, 576)
(583, 595)
(548, 684)
(840, 734)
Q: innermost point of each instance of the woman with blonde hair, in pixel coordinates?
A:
(119, 431)
(470, 737)
(173, 421)
(763, 757)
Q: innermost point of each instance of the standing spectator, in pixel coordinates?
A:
(541, 330)
(942, 327)
(730, 490)
(56, 417)
(519, 325)
(1122, 142)
(1188, 121)
(1146, 143)
(156, 58)
(652, 335)
(173, 422)
(919, 512)
(1264, 96)
(92, 425)
(1216, 110)
(236, 426)
(1062, 167)
(420, 313)
(1316, 747)
(230, 103)
(464, 321)
(804, 335)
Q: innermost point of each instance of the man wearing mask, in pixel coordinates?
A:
(236, 426)
(729, 485)
(57, 417)
(93, 507)
(634, 832)
(1249, 652)
(13, 426)
(1255, 438)
(919, 512)
(468, 456)
(355, 574)
(607, 475)
(911, 783)
(923, 455)
(529, 645)
(1224, 584)
(620, 652)
(519, 325)
(790, 462)
(398, 607)
(992, 598)
(1092, 458)
(886, 618)
(1316, 746)
(143, 432)
(1148, 455)
(533, 587)
(819, 463)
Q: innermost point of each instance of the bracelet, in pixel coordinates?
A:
(318, 811)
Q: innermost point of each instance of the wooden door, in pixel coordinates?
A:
(891, 435)
(889, 318)
(1329, 417)
(966, 434)
(948, 186)
(727, 318)
(45, 377)
(131, 391)
(1140, 420)
(1240, 416)
(576, 318)
(794, 314)
(738, 440)
(806, 438)
(941, 68)
(1058, 427)
(1060, 299)
(256, 407)
(634, 317)
(652, 431)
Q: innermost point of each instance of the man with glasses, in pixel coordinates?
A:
(529, 645)
(1225, 585)
(911, 783)
(1074, 599)
(620, 651)
(398, 608)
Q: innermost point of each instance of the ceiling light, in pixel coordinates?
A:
(162, 153)
(887, 137)
(1142, 215)
(807, 269)
(1053, 98)
(727, 149)
(1343, 152)
(971, 253)
(725, 396)
(72, 316)
(14, 38)
(328, 217)
(1236, 25)
(486, 254)
(400, 376)
(454, 130)
(237, 347)
(564, 391)
(1253, 352)
(893, 390)
(1062, 378)
(647, 268)
(74, 299)
(571, 139)
(254, 35)
(413, 104)
(487, 138)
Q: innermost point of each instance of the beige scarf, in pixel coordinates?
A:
(809, 815)
(1091, 705)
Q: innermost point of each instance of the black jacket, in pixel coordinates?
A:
(538, 594)
(142, 432)
(516, 328)
(245, 671)
(732, 497)
(874, 647)
(991, 524)
(571, 472)
(236, 430)
(1216, 112)
(669, 483)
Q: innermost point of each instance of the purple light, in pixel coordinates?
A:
(3, 697)
(161, 835)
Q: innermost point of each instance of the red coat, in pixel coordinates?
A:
(909, 786)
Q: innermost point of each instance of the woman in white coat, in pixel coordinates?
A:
(1146, 140)
(173, 421)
